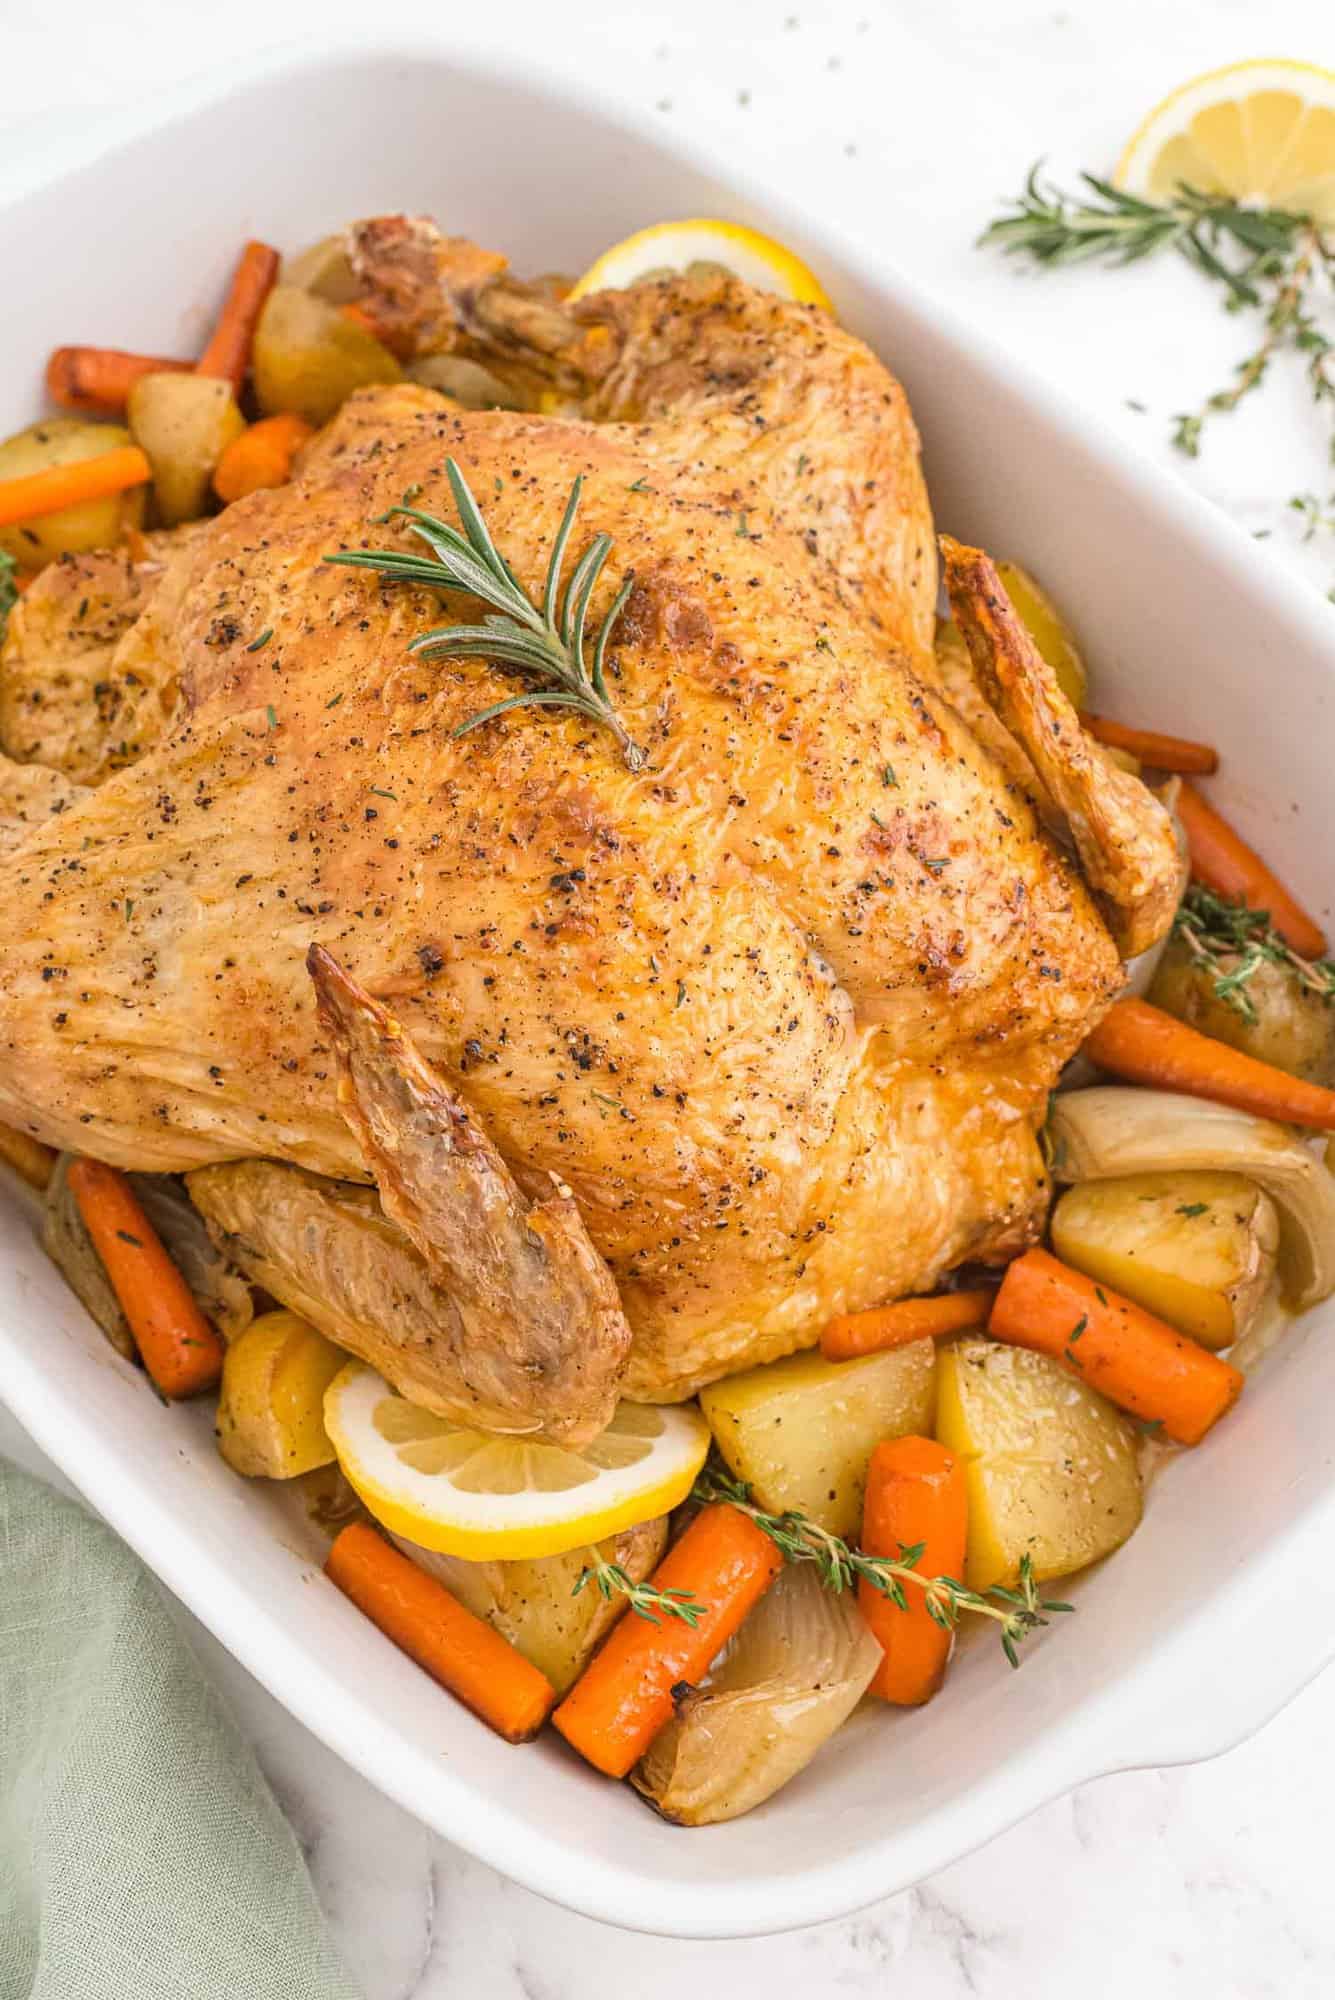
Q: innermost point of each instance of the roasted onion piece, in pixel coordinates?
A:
(1114, 1130)
(793, 1674)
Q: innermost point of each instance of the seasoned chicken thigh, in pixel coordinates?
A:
(781, 1011)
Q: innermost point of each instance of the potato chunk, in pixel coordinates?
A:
(801, 1432)
(271, 1410)
(1198, 1249)
(1048, 630)
(308, 357)
(185, 424)
(93, 524)
(1292, 1028)
(1052, 1467)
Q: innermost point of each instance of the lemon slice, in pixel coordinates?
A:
(678, 246)
(1260, 132)
(473, 1494)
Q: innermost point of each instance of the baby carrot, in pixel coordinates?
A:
(28, 1157)
(228, 351)
(261, 456)
(460, 1651)
(1128, 1355)
(1222, 860)
(916, 1495)
(625, 1694)
(1164, 753)
(180, 1349)
(1143, 1044)
(67, 485)
(852, 1334)
(98, 380)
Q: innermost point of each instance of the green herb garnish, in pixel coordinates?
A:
(1274, 261)
(545, 642)
(800, 1539)
(644, 1599)
(1233, 942)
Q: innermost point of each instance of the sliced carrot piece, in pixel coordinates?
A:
(1129, 1356)
(98, 380)
(180, 1349)
(228, 351)
(1163, 753)
(916, 1496)
(625, 1694)
(898, 1325)
(1143, 1044)
(462, 1652)
(61, 486)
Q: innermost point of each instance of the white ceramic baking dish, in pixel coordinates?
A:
(1224, 1605)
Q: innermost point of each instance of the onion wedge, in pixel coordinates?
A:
(793, 1674)
(1112, 1130)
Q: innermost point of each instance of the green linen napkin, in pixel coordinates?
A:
(142, 1856)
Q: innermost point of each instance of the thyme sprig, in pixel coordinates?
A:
(1274, 261)
(644, 1599)
(1232, 942)
(546, 642)
(800, 1539)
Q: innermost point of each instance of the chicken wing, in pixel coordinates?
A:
(1125, 840)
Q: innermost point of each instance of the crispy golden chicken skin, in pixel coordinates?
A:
(782, 1011)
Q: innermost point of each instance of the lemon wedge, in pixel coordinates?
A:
(1259, 132)
(488, 1498)
(703, 241)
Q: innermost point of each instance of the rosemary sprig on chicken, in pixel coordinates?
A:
(546, 643)
(840, 1566)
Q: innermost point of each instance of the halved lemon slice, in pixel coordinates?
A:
(1261, 132)
(472, 1494)
(678, 246)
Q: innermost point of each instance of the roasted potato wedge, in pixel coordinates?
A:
(325, 269)
(1048, 630)
(1294, 1029)
(309, 358)
(533, 1604)
(1198, 1249)
(270, 1411)
(185, 424)
(801, 1432)
(1052, 1468)
(94, 524)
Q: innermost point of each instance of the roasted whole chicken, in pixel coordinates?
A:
(602, 1081)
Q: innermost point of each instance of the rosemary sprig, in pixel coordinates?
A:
(1233, 942)
(1272, 260)
(544, 642)
(800, 1539)
(9, 595)
(645, 1601)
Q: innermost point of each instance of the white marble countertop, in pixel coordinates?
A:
(910, 120)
